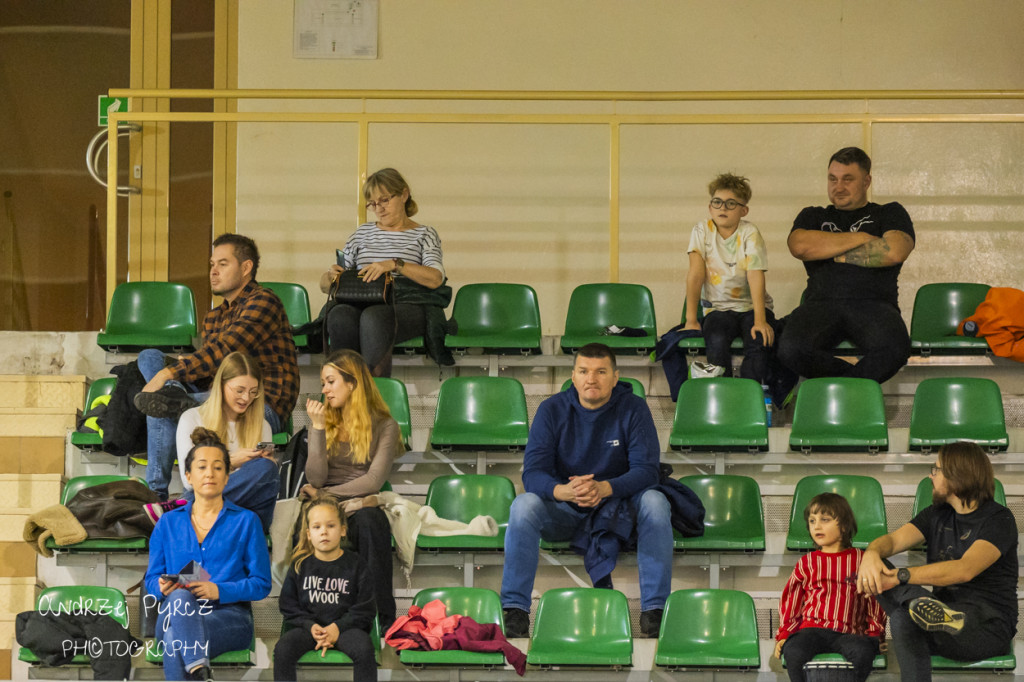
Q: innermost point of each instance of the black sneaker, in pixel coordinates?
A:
(932, 615)
(166, 403)
(517, 623)
(650, 623)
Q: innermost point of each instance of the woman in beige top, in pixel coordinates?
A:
(353, 442)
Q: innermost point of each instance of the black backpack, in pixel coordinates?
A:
(293, 465)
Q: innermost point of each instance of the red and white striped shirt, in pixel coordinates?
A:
(822, 593)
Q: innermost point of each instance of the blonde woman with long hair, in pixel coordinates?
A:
(234, 411)
(353, 442)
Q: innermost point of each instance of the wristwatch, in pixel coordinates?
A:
(903, 575)
(399, 264)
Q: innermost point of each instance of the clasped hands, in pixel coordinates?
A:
(584, 491)
(325, 637)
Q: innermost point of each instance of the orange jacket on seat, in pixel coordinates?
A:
(1000, 320)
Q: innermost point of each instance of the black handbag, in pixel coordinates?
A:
(349, 288)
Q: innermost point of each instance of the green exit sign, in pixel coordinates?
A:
(111, 104)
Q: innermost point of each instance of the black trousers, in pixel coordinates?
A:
(876, 328)
(985, 633)
(369, 534)
(805, 644)
(356, 644)
(720, 327)
(372, 331)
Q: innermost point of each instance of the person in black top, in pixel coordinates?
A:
(852, 251)
(327, 597)
(971, 613)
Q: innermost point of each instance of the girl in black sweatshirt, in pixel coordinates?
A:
(327, 598)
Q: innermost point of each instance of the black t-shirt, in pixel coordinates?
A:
(827, 279)
(950, 535)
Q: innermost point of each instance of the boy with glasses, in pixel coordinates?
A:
(728, 260)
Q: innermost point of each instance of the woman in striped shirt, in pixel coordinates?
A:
(820, 610)
(397, 244)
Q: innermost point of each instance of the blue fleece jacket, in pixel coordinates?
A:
(234, 552)
(617, 443)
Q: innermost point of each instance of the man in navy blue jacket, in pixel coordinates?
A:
(594, 441)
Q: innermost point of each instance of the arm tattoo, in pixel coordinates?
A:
(870, 255)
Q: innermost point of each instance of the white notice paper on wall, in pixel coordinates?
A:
(335, 29)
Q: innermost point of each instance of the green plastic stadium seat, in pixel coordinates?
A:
(862, 492)
(241, 658)
(938, 310)
(878, 664)
(99, 387)
(720, 414)
(395, 395)
(592, 307)
(733, 518)
(638, 388)
(708, 629)
(695, 346)
(281, 438)
(482, 605)
(296, 305)
(413, 346)
(499, 318)
(462, 497)
(150, 315)
(839, 414)
(72, 488)
(480, 413)
(582, 626)
(334, 657)
(105, 600)
(995, 664)
(947, 410)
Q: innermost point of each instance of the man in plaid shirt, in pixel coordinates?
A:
(251, 319)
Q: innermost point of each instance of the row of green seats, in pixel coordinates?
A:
(700, 629)
(505, 318)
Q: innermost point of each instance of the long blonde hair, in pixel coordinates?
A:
(249, 425)
(305, 547)
(353, 421)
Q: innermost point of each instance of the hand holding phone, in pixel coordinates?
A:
(265, 445)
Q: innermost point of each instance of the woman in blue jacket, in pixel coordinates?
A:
(202, 619)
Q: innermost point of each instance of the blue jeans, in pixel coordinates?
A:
(532, 518)
(161, 434)
(193, 632)
(720, 327)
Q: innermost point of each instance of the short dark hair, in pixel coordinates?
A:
(206, 438)
(245, 249)
(850, 155)
(968, 472)
(596, 350)
(837, 507)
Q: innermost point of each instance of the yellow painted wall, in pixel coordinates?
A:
(530, 203)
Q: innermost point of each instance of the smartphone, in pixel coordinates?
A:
(265, 445)
(170, 577)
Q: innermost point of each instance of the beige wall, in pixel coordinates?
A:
(530, 203)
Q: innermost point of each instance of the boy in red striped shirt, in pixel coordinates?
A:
(821, 610)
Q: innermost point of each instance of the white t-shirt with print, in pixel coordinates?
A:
(726, 262)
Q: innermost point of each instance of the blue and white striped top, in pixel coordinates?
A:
(369, 244)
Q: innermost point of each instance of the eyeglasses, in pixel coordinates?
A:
(372, 205)
(729, 204)
(936, 469)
